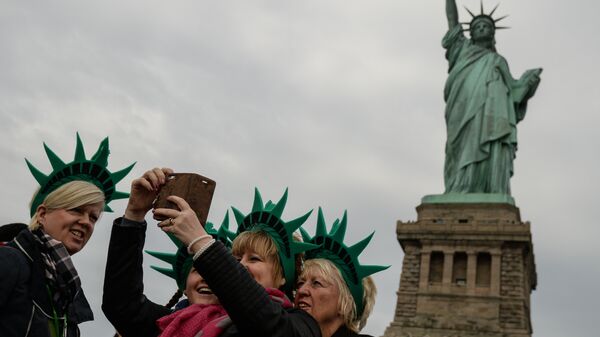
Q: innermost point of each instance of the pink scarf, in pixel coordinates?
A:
(206, 320)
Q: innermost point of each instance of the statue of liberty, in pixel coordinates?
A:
(484, 103)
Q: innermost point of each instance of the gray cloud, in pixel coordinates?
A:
(341, 101)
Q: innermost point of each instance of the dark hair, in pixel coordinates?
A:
(175, 298)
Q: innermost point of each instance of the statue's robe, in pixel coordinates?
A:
(481, 117)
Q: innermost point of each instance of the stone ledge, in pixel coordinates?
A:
(468, 198)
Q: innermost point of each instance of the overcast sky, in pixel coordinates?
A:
(341, 101)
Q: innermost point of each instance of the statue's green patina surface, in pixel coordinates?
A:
(484, 103)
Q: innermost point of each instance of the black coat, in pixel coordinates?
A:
(345, 332)
(123, 299)
(24, 301)
(249, 306)
(247, 302)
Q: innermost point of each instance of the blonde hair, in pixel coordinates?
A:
(346, 305)
(68, 196)
(262, 244)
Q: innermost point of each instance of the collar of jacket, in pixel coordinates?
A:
(79, 311)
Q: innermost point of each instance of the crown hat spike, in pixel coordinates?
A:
(331, 247)
(305, 236)
(372, 269)
(298, 222)
(358, 247)
(321, 226)
(165, 257)
(37, 174)
(93, 170)
(119, 175)
(79, 151)
(168, 272)
(224, 234)
(239, 216)
(175, 240)
(339, 232)
(280, 206)
(55, 161)
(258, 203)
(101, 155)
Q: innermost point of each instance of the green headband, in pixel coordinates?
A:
(91, 170)
(267, 218)
(345, 258)
(181, 262)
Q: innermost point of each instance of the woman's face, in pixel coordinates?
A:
(197, 291)
(261, 268)
(319, 297)
(73, 227)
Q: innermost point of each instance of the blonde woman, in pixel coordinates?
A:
(40, 291)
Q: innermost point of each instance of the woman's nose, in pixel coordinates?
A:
(244, 262)
(302, 290)
(85, 219)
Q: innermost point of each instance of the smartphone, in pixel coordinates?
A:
(197, 190)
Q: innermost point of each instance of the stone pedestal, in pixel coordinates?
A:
(468, 271)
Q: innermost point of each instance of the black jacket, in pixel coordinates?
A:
(246, 302)
(25, 307)
(123, 299)
(345, 332)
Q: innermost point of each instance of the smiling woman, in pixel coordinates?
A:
(40, 290)
(124, 302)
(70, 213)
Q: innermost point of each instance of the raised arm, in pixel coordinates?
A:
(123, 300)
(451, 13)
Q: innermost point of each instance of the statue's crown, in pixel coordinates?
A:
(93, 170)
(483, 16)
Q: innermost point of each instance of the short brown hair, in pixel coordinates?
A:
(262, 244)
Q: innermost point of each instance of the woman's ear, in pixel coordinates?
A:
(280, 282)
(41, 212)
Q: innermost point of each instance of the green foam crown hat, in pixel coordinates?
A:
(92, 170)
(181, 262)
(267, 218)
(331, 246)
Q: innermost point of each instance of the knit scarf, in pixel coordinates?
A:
(61, 276)
(206, 320)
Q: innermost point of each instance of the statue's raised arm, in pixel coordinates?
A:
(451, 13)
